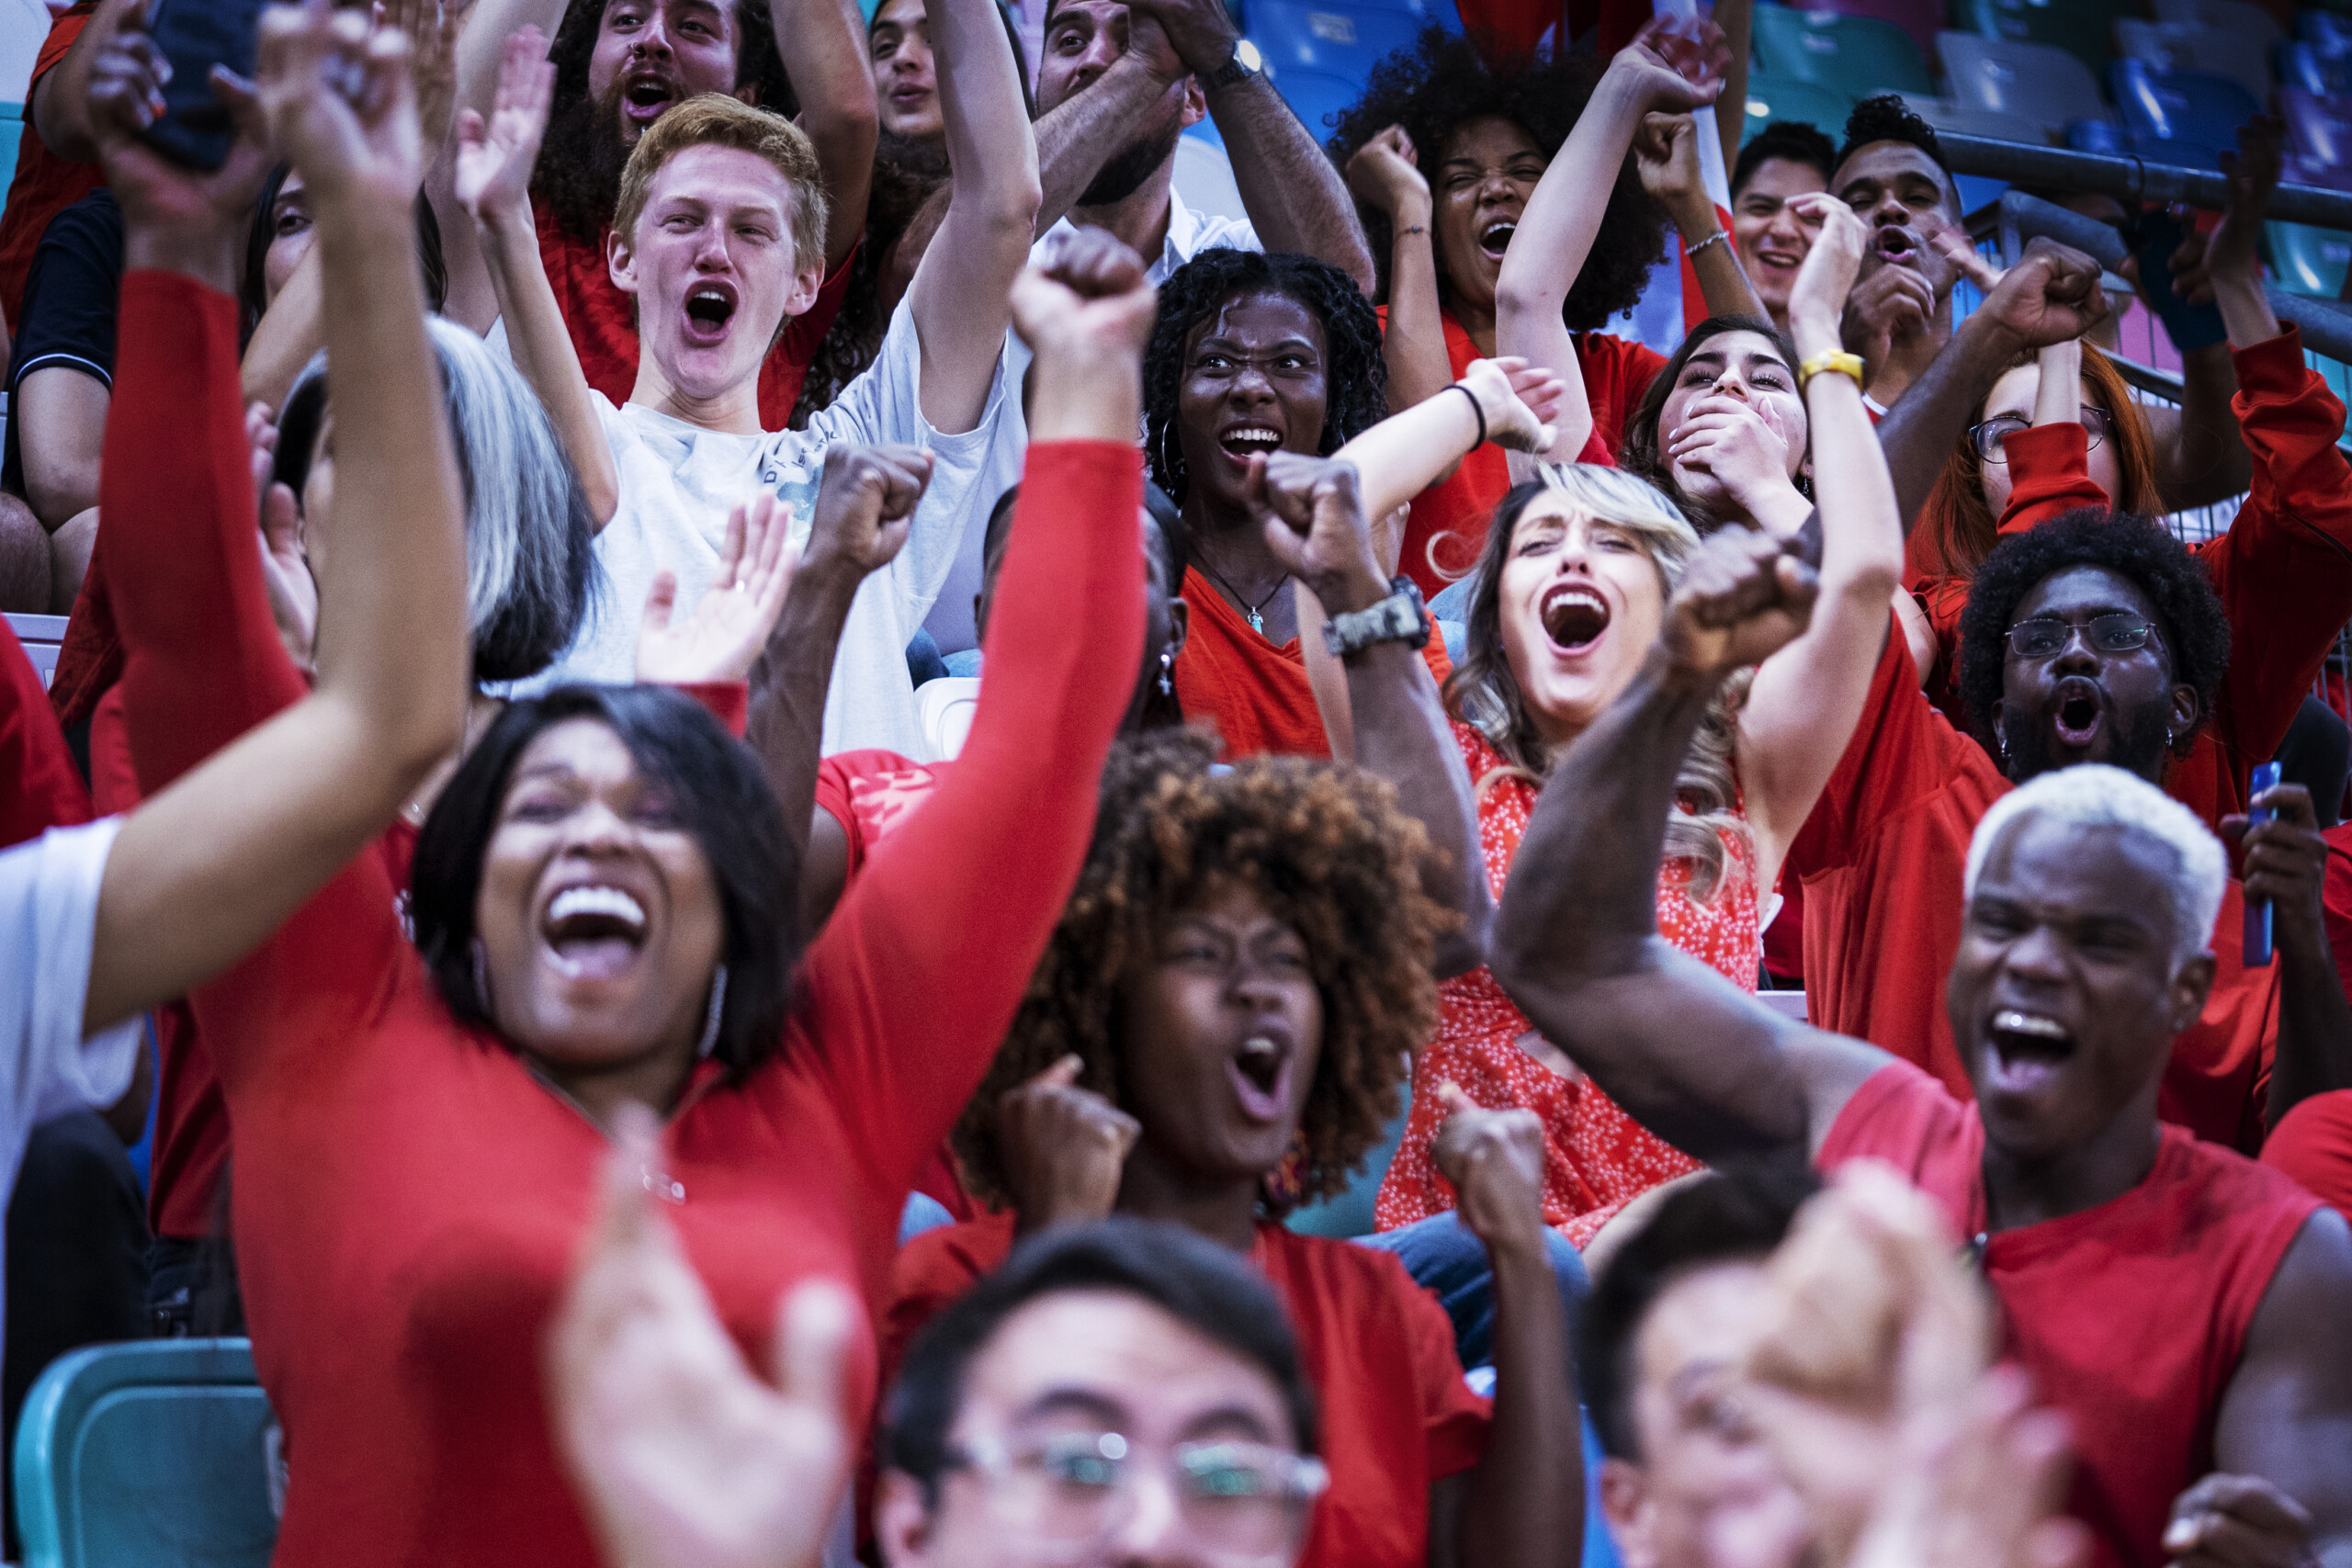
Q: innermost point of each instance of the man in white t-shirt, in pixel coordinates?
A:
(719, 235)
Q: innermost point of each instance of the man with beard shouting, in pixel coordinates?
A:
(620, 66)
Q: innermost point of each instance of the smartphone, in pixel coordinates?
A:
(195, 36)
(2258, 913)
(2189, 326)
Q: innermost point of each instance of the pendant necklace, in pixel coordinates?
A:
(1255, 612)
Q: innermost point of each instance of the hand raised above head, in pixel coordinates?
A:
(1202, 34)
(1384, 174)
(866, 506)
(495, 155)
(2051, 294)
(1088, 297)
(1744, 596)
(128, 72)
(1520, 401)
(1063, 1148)
(721, 639)
(1666, 154)
(2229, 253)
(341, 104)
(1674, 64)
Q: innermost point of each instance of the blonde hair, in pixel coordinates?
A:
(714, 119)
(1484, 694)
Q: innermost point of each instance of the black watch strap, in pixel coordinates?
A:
(1236, 68)
(1400, 617)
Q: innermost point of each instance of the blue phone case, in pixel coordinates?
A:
(2258, 914)
(196, 35)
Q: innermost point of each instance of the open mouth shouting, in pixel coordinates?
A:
(1494, 238)
(646, 94)
(593, 930)
(1243, 442)
(1897, 245)
(2029, 1049)
(710, 306)
(2078, 710)
(1575, 617)
(1260, 1071)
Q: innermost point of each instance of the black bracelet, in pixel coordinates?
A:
(1475, 409)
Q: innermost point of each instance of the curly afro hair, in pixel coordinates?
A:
(1355, 375)
(578, 171)
(1440, 83)
(2132, 545)
(1326, 848)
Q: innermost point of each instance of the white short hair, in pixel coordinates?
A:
(2092, 794)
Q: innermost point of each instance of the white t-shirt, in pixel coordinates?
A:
(678, 482)
(49, 917)
(1189, 233)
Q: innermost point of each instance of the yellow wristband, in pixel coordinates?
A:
(1836, 359)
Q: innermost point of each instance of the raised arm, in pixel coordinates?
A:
(1684, 1051)
(1666, 151)
(1807, 697)
(1663, 68)
(1315, 521)
(2285, 864)
(931, 947)
(826, 63)
(207, 868)
(493, 180)
(60, 106)
(1296, 199)
(958, 296)
(2051, 295)
(1386, 174)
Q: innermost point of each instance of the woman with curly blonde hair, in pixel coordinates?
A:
(1217, 1031)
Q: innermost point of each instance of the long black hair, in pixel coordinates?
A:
(719, 792)
(1356, 378)
(252, 288)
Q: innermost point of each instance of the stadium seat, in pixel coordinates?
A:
(1777, 97)
(2186, 45)
(2305, 66)
(155, 1454)
(2082, 27)
(1347, 1214)
(1856, 55)
(2308, 261)
(2036, 82)
(1964, 120)
(41, 635)
(1919, 19)
(2182, 116)
(2319, 130)
(2238, 16)
(1320, 54)
(944, 707)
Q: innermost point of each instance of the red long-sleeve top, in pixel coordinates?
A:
(38, 787)
(408, 1194)
(2283, 568)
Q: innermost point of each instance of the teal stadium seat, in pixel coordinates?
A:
(1777, 97)
(155, 1454)
(12, 132)
(1917, 19)
(2084, 28)
(2038, 82)
(2308, 261)
(1855, 55)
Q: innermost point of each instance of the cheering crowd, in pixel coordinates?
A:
(1001, 740)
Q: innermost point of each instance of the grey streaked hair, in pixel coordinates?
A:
(529, 537)
(2093, 794)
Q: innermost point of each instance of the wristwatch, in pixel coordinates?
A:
(1239, 68)
(1400, 617)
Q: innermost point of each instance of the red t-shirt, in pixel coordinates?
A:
(2130, 1316)
(408, 1195)
(39, 787)
(1452, 515)
(45, 184)
(1377, 1348)
(602, 322)
(1884, 858)
(2312, 1143)
(2283, 568)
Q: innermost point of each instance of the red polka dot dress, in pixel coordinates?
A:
(1597, 1158)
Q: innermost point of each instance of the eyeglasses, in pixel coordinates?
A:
(1989, 437)
(1242, 1500)
(2045, 637)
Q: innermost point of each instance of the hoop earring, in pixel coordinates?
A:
(1166, 666)
(709, 1042)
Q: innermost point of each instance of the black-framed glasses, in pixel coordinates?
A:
(1245, 1501)
(2045, 637)
(1989, 437)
